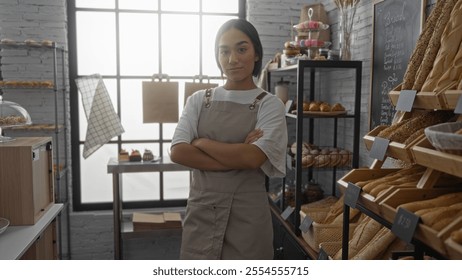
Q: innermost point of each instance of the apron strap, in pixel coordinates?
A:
(257, 99)
(208, 96)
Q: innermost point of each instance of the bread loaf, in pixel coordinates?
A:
(421, 46)
(442, 200)
(363, 233)
(422, 121)
(439, 217)
(376, 246)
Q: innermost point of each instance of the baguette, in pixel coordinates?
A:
(442, 200)
(376, 246)
(363, 233)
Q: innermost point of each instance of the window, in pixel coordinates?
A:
(127, 42)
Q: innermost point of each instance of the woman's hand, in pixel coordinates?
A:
(253, 136)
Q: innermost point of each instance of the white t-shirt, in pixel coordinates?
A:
(270, 118)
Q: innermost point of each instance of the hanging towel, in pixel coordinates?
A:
(103, 122)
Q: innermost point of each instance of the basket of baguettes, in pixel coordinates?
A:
(327, 217)
(369, 240)
(446, 137)
(438, 208)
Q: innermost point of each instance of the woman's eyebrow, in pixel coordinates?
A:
(237, 44)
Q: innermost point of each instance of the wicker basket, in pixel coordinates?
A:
(443, 137)
(331, 248)
(319, 233)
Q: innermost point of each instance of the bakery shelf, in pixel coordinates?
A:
(446, 100)
(425, 234)
(451, 97)
(304, 71)
(423, 100)
(395, 150)
(425, 154)
(362, 174)
(27, 46)
(37, 127)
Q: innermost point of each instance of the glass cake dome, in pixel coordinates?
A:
(11, 115)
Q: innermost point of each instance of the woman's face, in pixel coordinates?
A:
(237, 56)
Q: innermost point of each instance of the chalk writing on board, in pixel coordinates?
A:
(396, 30)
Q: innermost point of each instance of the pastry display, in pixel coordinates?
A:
(148, 155)
(123, 155)
(27, 84)
(291, 48)
(321, 108)
(322, 157)
(12, 120)
(135, 155)
(337, 107)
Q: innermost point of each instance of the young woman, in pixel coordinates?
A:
(231, 136)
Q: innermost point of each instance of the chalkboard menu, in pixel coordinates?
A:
(397, 26)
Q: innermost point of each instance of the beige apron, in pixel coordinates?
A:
(228, 215)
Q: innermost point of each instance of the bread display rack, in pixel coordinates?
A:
(431, 184)
(310, 69)
(42, 83)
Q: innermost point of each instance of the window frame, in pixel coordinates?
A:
(72, 10)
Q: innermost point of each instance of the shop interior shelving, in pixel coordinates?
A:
(308, 69)
(57, 85)
(425, 241)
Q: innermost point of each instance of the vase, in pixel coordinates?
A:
(345, 31)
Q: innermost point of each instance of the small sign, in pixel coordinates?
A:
(286, 214)
(458, 109)
(379, 148)
(405, 224)
(289, 162)
(406, 100)
(322, 255)
(352, 195)
(289, 105)
(306, 224)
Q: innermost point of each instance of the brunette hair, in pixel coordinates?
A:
(248, 29)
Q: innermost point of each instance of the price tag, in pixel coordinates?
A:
(289, 162)
(458, 109)
(379, 148)
(306, 224)
(352, 195)
(405, 224)
(289, 210)
(322, 255)
(406, 100)
(289, 105)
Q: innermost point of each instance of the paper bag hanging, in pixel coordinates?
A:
(160, 102)
(190, 88)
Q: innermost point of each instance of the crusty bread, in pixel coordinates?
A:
(376, 246)
(363, 233)
(442, 200)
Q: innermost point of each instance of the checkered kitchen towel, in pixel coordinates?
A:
(103, 122)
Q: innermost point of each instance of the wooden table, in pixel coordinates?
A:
(117, 169)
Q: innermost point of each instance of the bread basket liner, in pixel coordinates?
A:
(319, 233)
(443, 138)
